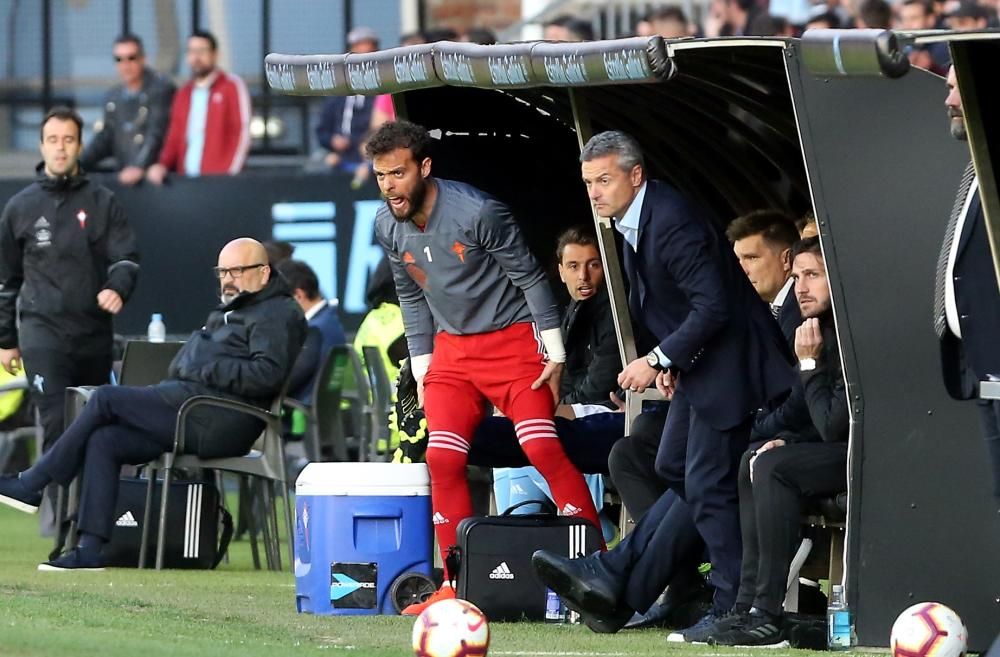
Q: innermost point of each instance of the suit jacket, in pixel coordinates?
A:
(688, 291)
(592, 358)
(976, 355)
(324, 332)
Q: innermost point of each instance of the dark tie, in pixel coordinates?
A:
(940, 320)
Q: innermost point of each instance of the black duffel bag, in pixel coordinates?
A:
(493, 558)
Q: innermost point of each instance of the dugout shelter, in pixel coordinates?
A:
(836, 124)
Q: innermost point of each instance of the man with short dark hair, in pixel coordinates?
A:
(967, 298)
(136, 115)
(481, 324)
(244, 353)
(806, 460)
(68, 264)
(209, 131)
(669, 22)
(567, 28)
(874, 14)
(325, 330)
(592, 357)
(967, 16)
(914, 15)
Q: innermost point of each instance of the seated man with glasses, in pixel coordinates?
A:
(244, 352)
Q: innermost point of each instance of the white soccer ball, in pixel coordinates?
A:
(451, 628)
(928, 629)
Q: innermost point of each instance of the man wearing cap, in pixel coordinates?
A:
(345, 120)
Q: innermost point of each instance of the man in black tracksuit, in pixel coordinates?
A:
(68, 263)
(244, 353)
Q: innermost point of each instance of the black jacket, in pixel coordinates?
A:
(245, 352)
(592, 358)
(62, 241)
(134, 126)
(816, 409)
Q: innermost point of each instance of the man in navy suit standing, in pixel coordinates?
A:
(714, 345)
(966, 297)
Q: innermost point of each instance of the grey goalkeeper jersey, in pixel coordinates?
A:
(469, 270)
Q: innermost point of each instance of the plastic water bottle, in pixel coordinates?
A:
(555, 612)
(838, 620)
(157, 331)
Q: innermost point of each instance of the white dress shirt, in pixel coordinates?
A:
(950, 307)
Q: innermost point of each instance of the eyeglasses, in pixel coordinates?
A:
(235, 272)
(126, 58)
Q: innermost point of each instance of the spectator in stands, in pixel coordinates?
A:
(136, 114)
(710, 325)
(412, 39)
(436, 34)
(643, 27)
(740, 17)
(777, 477)
(344, 121)
(209, 130)
(969, 15)
(325, 330)
(482, 35)
(823, 21)
(919, 15)
(244, 353)
(567, 28)
(68, 263)
(669, 22)
(873, 14)
(967, 298)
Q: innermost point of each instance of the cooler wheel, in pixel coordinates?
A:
(410, 588)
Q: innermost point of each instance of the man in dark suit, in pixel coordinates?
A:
(717, 350)
(966, 298)
(325, 330)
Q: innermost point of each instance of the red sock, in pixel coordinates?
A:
(542, 447)
(450, 500)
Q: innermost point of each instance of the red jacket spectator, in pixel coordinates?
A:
(227, 127)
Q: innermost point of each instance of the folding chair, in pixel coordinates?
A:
(324, 417)
(381, 405)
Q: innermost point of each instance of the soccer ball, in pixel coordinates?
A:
(928, 629)
(451, 628)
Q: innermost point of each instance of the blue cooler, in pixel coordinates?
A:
(359, 527)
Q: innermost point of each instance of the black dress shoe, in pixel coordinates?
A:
(605, 624)
(584, 584)
(655, 616)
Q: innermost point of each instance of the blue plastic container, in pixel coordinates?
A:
(359, 526)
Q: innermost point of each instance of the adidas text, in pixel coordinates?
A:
(502, 572)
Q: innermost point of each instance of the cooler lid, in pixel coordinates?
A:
(401, 479)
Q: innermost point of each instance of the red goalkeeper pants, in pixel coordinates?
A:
(499, 367)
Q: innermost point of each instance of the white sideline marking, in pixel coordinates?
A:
(559, 653)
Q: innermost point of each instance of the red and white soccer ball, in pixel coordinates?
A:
(928, 629)
(451, 628)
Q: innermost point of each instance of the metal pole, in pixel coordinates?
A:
(126, 16)
(348, 20)
(47, 54)
(265, 88)
(195, 15)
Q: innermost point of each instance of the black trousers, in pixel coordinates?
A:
(50, 372)
(771, 511)
(665, 548)
(989, 420)
(119, 425)
(631, 464)
(700, 464)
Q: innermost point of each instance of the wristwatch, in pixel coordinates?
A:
(654, 361)
(807, 364)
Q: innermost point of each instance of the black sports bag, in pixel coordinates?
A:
(494, 559)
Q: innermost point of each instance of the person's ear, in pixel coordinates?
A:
(786, 259)
(636, 175)
(425, 167)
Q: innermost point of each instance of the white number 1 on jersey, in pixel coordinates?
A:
(427, 252)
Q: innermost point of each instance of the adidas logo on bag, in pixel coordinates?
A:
(439, 519)
(127, 520)
(570, 510)
(502, 572)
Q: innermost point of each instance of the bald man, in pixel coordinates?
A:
(244, 353)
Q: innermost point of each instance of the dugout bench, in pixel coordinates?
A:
(836, 124)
